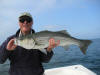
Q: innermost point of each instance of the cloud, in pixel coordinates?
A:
(45, 5)
(34, 6)
(11, 9)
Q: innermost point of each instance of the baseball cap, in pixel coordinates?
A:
(26, 14)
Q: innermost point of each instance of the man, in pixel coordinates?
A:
(23, 61)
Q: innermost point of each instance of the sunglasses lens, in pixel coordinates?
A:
(22, 20)
(25, 18)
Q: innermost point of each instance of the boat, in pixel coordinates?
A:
(70, 70)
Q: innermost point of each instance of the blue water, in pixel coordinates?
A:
(73, 56)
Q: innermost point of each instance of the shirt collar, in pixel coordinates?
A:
(20, 33)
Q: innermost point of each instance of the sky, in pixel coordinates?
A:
(80, 18)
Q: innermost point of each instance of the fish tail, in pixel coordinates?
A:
(84, 45)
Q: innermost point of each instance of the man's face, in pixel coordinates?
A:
(25, 25)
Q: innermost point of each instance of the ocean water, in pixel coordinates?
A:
(73, 56)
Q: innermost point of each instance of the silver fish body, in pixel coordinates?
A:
(40, 40)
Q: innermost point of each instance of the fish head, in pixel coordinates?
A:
(27, 43)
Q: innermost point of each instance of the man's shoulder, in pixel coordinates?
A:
(12, 36)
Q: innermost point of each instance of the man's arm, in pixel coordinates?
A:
(4, 53)
(45, 57)
(49, 53)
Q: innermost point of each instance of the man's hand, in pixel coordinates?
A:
(11, 46)
(52, 44)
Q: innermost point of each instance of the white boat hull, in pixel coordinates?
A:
(70, 70)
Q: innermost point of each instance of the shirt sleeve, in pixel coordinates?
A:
(45, 57)
(4, 53)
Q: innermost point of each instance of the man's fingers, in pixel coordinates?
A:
(51, 41)
(11, 42)
(58, 42)
(14, 46)
(11, 45)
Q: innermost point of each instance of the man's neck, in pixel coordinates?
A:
(25, 33)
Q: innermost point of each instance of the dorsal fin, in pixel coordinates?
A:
(45, 30)
(64, 31)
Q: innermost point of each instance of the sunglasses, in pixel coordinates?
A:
(22, 19)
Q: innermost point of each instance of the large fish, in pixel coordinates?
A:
(40, 40)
